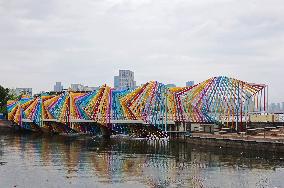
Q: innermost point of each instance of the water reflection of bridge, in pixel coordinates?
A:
(152, 163)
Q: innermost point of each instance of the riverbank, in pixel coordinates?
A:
(246, 142)
(5, 124)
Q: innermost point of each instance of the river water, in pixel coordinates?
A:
(32, 160)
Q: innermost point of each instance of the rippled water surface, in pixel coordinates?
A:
(31, 160)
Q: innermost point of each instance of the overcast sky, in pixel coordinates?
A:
(171, 41)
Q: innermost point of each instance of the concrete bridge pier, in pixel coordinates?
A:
(106, 131)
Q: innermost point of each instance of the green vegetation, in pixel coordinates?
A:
(4, 97)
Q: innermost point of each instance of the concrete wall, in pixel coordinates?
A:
(264, 118)
(235, 143)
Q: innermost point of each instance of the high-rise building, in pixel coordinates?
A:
(23, 91)
(189, 83)
(58, 87)
(125, 80)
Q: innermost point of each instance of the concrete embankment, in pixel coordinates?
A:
(237, 143)
(5, 124)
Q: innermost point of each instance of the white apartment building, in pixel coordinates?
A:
(125, 80)
(58, 87)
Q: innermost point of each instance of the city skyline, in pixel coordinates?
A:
(170, 42)
(273, 107)
(82, 87)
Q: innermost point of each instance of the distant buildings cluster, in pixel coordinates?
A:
(58, 87)
(80, 87)
(187, 84)
(124, 80)
(276, 107)
(21, 91)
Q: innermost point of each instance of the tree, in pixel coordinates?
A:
(4, 97)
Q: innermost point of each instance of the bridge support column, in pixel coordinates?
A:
(106, 131)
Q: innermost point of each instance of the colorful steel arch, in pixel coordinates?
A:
(220, 100)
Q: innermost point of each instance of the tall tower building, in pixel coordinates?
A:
(58, 87)
(125, 80)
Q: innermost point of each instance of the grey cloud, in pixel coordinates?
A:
(170, 41)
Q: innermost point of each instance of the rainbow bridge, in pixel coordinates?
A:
(151, 108)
